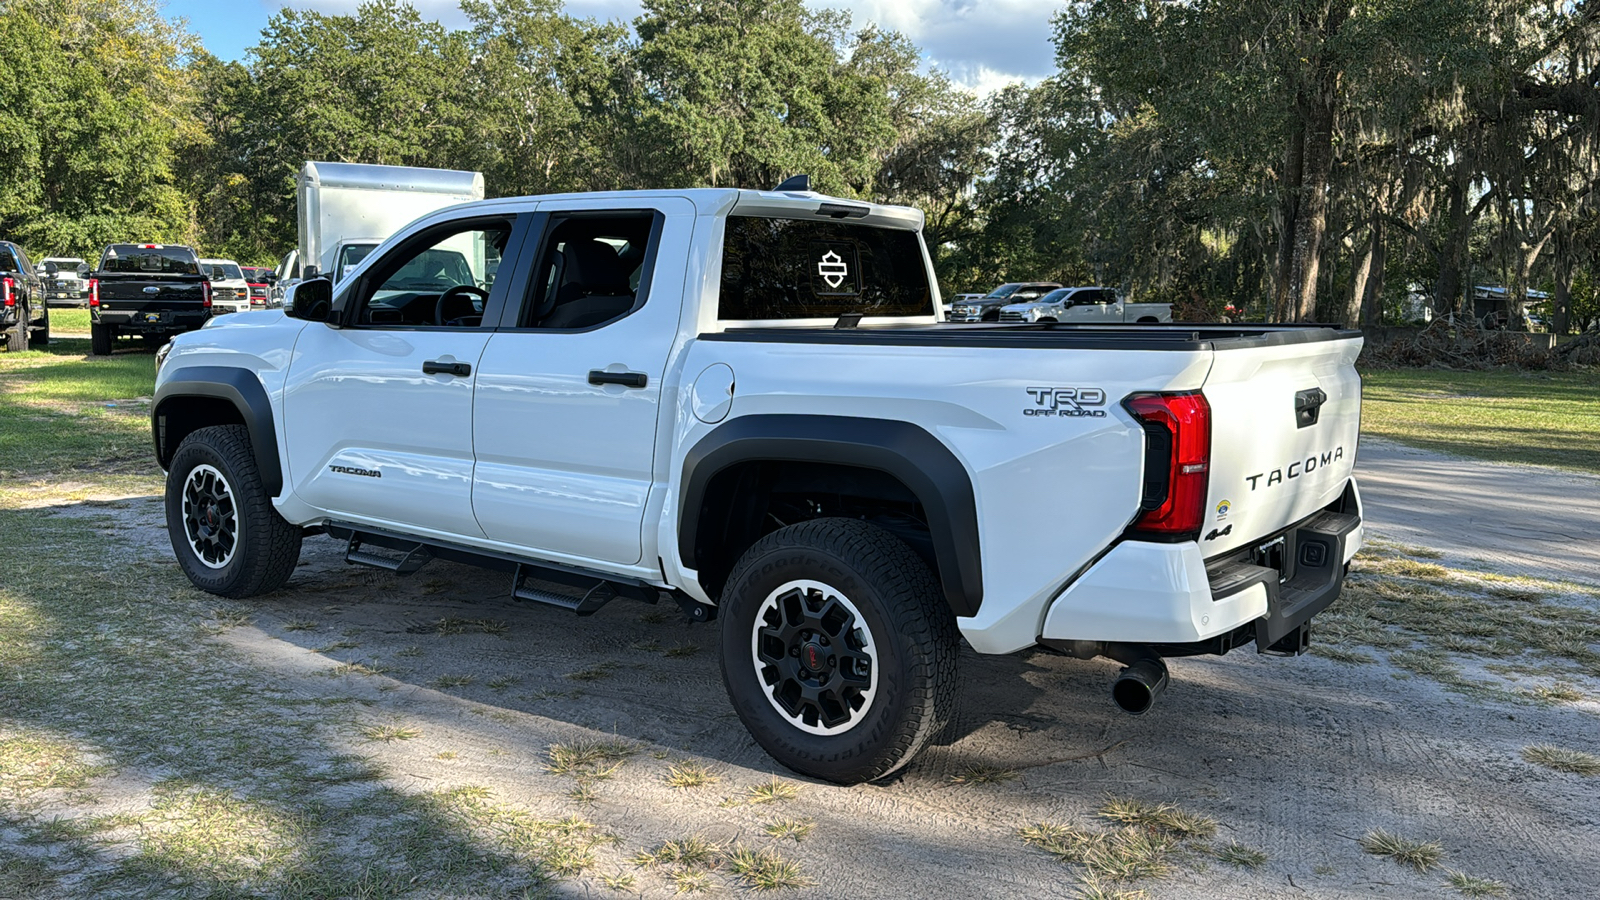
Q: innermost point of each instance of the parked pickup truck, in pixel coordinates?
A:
(68, 283)
(152, 290)
(986, 307)
(24, 314)
(1086, 306)
(743, 402)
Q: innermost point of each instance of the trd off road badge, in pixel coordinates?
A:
(835, 268)
(1066, 403)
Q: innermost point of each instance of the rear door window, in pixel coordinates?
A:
(798, 269)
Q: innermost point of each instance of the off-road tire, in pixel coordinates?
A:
(911, 628)
(40, 337)
(101, 337)
(16, 336)
(266, 548)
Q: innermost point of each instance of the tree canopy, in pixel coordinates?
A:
(1296, 159)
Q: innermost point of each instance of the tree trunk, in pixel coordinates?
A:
(1561, 301)
(1311, 219)
(1293, 169)
(1372, 298)
(1452, 256)
(1358, 282)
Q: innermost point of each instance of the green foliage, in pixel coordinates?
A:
(98, 100)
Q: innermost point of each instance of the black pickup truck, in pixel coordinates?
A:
(24, 318)
(152, 290)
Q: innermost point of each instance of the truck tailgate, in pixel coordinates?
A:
(1285, 420)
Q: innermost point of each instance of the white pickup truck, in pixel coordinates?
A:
(744, 402)
(1085, 306)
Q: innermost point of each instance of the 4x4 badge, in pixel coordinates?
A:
(832, 269)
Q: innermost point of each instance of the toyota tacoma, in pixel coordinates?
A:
(744, 403)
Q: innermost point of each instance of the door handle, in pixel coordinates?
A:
(626, 379)
(440, 367)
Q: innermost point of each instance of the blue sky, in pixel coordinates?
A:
(983, 44)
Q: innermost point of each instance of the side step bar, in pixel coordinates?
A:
(414, 558)
(531, 581)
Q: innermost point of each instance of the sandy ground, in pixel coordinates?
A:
(1514, 519)
(1296, 757)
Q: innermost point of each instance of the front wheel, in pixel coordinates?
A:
(838, 651)
(227, 537)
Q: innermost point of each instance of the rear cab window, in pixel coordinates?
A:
(150, 259)
(776, 269)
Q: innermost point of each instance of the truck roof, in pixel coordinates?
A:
(739, 201)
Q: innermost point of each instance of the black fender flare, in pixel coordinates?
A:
(240, 387)
(906, 451)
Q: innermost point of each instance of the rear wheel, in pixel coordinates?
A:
(40, 336)
(227, 537)
(16, 335)
(838, 651)
(100, 339)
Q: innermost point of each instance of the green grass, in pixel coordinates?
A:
(1419, 855)
(54, 418)
(107, 668)
(1546, 418)
(64, 319)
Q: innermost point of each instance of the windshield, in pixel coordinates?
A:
(223, 271)
(431, 271)
(65, 262)
(1056, 296)
(1004, 290)
(350, 254)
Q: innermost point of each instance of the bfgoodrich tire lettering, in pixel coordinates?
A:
(227, 537)
(903, 619)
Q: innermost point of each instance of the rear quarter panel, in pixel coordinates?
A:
(1052, 490)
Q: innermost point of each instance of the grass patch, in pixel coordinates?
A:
(1241, 855)
(774, 791)
(445, 682)
(1548, 418)
(681, 651)
(765, 870)
(689, 774)
(1562, 759)
(390, 733)
(984, 773)
(1473, 886)
(797, 829)
(693, 852)
(31, 764)
(595, 672)
(503, 682)
(593, 759)
(1147, 840)
(453, 625)
(54, 417)
(620, 882)
(216, 836)
(1419, 855)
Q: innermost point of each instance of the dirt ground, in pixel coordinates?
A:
(1297, 758)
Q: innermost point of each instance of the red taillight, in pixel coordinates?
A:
(94, 292)
(205, 292)
(1177, 463)
(6, 286)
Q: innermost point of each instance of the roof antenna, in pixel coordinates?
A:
(797, 183)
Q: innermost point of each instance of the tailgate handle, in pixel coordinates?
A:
(1308, 406)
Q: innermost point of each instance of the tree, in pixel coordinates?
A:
(99, 104)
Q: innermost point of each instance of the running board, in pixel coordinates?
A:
(598, 594)
(532, 581)
(410, 560)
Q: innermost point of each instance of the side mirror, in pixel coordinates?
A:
(84, 270)
(309, 272)
(50, 269)
(270, 278)
(311, 300)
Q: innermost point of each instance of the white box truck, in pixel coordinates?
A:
(347, 210)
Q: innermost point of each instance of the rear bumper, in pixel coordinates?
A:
(1147, 593)
(166, 321)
